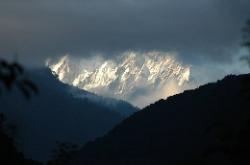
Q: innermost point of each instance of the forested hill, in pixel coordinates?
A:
(208, 125)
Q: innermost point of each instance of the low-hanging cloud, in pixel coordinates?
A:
(195, 28)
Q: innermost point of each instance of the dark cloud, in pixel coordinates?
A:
(38, 29)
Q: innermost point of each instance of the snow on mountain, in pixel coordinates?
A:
(126, 77)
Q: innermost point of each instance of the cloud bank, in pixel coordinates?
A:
(209, 29)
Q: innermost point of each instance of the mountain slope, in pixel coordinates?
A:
(58, 113)
(208, 125)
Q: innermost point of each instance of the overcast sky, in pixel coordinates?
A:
(196, 29)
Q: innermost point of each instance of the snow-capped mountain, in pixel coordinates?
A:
(125, 77)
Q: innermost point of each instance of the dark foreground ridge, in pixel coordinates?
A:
(208, 125)
(9, 155)
(58, 113)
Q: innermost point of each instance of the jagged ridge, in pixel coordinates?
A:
(126, 78)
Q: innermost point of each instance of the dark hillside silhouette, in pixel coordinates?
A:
(9, 155)
(59, 113)
(208, 125)
(10, 76)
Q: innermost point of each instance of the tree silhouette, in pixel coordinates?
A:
(246, 40)
(12, 74)
(62, 153)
